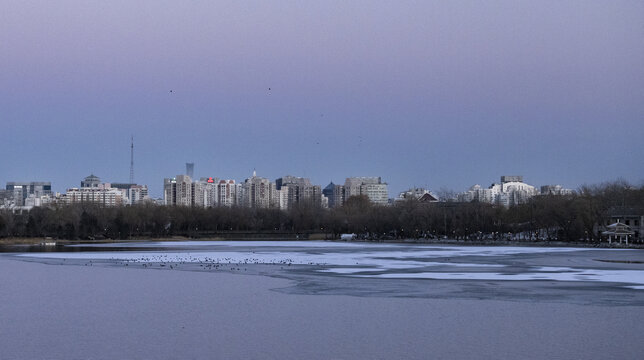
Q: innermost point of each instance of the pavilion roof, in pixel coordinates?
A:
(618, 228)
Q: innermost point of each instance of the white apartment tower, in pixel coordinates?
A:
(511, 191)
(102, 195)
(259, 192)
(227, 193)
(178, 191)
(136, 194)
(372, 187)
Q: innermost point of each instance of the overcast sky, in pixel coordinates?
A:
(421, 93)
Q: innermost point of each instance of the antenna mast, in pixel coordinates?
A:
(132, 160)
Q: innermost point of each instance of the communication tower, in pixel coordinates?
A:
(132, 160)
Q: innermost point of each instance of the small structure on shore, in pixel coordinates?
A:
(618, 231)
(348, 237)
(633, 217)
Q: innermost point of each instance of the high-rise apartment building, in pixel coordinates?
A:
(205, 192)
(93, 191)
(178, 191)
(134, 193)
(299, 190)
(259, 192)
(511, 191)
(372, 187)
(334, 194)
(101, 195)
(137, 194)
(20, 191)
(228, 193)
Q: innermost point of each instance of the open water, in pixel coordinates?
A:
(320, 300)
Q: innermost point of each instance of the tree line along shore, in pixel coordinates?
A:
(579, 217)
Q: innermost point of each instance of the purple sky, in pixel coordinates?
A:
(422, 93)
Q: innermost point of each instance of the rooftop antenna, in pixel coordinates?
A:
(132, 160)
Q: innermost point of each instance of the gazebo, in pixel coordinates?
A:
(618, 231)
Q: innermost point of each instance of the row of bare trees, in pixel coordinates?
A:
(565, 218)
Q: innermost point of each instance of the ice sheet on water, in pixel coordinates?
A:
(383, 260)
(349, 270)
(608, 276)
(383, 256)
(396, 250)
(347, 259)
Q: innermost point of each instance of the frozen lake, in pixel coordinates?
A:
(321, 300)
(577, 275)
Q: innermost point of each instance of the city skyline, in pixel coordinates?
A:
(376, 188)
(64, 187)
(397, 188)
(260, 192)
(423, 94)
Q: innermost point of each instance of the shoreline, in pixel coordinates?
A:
(50, 242)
